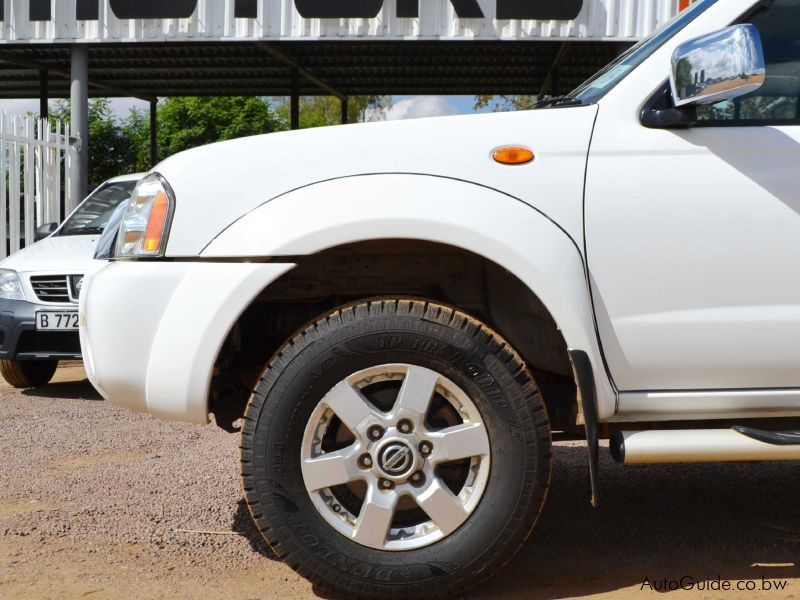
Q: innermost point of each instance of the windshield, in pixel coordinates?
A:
(93, 214)
(601, 83)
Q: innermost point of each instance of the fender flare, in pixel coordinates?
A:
(482, 220)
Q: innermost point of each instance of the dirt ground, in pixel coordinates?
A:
(97, 502)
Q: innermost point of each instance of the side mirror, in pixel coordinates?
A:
(44, 231)
(719, 66)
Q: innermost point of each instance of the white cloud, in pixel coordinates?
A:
(120, 107)
(417, 107)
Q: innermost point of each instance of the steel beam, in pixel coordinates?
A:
(308, 75)
(43, 94)
(79, 112)
(153, 132)
(294, 99)
(552, 75)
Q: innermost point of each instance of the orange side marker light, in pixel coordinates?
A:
(513, 155)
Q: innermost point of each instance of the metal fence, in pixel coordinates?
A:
(36, 159)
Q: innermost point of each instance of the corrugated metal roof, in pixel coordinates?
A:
(216, 20)
(352, 68)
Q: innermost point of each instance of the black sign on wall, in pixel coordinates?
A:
(341, 9)
(465, 9)
(88, 10)
(39, 10)
(368, 9)
(245, 9)
(153, 9)
(539, 9)
(408, 8)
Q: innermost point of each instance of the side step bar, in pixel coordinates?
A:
(779, 438)
(704, 445)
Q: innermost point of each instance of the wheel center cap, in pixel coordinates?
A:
(396, 459)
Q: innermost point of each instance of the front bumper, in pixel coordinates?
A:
(151, 330)
(19, 339)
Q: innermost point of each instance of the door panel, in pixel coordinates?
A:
(693, 242)
(693, 236)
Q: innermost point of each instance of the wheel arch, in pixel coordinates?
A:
(377, 213)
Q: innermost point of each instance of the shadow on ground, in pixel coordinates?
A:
(65, 390)
(727, 521)
(659, 521)
(243, 524)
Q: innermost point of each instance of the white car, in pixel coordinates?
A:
(402, 312)
(40, 286)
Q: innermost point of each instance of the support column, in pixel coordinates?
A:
(43, 94)
(344, 110)
(153, 132)
(550, 85)
(294, 100)
(79, 111)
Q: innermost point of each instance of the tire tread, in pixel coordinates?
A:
(27, 373)
(443, 315)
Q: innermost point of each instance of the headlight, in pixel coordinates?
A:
(10, 286)
(146, 221)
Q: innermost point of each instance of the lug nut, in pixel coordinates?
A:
(405, 426)
(375, 432)
(385, 484)
(417, 478)
(337, 508)
(365, 461)
(425, 448)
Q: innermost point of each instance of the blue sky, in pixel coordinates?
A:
(405, 107)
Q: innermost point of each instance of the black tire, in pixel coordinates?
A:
(28, 373)
(354, 338)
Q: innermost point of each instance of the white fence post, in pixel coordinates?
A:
(3, 184)
(13, 186)
(35, 156)
(28, 181)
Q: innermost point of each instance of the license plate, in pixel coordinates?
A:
(56, 321)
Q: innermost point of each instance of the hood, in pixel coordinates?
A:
(67, 254)
(216, 184)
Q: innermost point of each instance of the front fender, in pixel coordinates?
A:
(435, 209)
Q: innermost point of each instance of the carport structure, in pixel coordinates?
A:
(157, 48)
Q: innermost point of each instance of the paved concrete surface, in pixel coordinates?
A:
(98, 502)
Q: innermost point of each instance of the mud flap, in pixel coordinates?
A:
(587, 396)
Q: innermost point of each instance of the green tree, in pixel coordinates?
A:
(136, 128)
(504, 103)
(185, 123)
(111, 151)
(319, 111)
(683, 76)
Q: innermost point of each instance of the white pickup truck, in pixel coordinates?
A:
(401, 313)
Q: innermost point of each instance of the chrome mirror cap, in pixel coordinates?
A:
(719, 66)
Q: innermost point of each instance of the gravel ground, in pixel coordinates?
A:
(98, 502)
